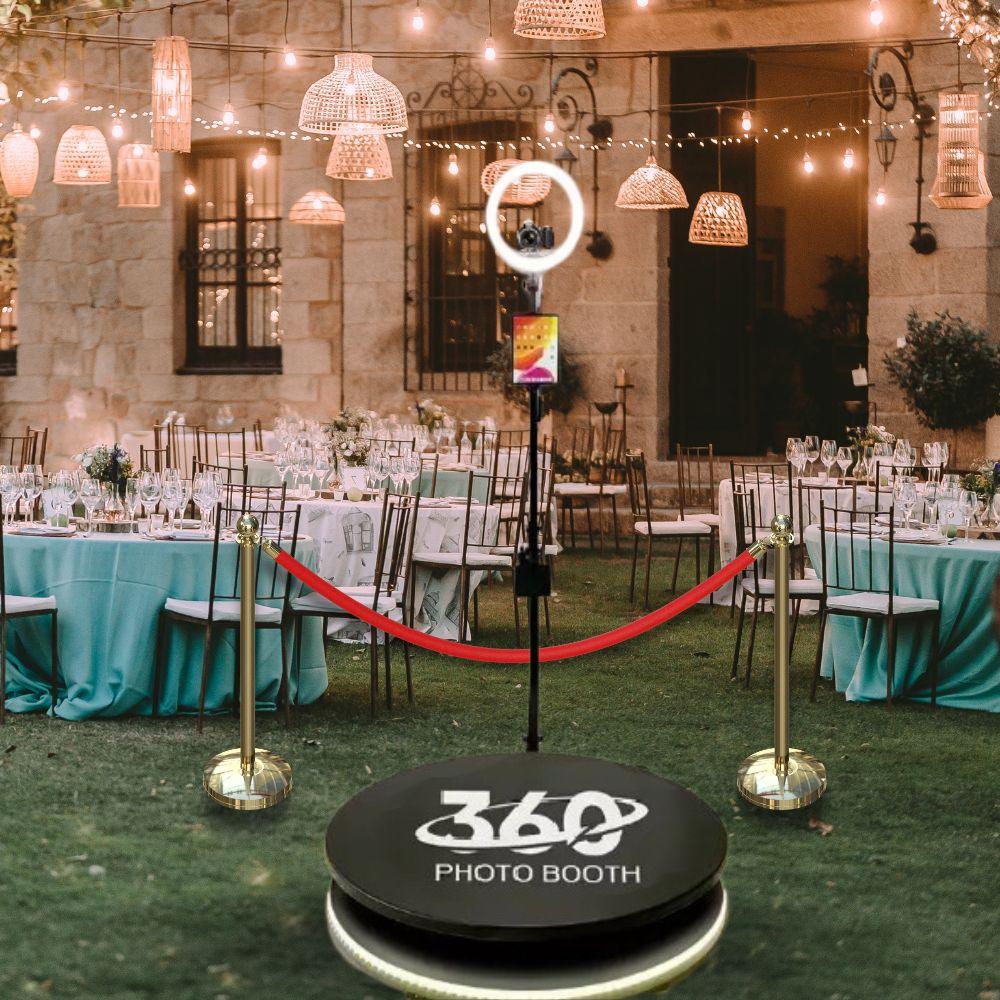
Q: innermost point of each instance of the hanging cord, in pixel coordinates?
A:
(170, 20)
(350, 22)
(285, 28)
(958, 67)
(17, 73)
(489, 4)
(649, 138)
(65, 50)
(718, 144)
(263, 93)
(118, 70)
(229, 59)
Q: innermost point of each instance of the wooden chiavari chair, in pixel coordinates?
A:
(230, 475)
(645, 526)
(391, 446)
(221, 611)
(40, 446)
(152, 459)
(573, 467)
(852, 552)
(222, 447)
(181, 444)
(16, 450)
(386, 595)
(754, 584)
(698, 494)
(605, 478)
(15, 608)
(428, 467)
(258, 435)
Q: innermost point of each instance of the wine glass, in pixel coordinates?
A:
(907, 497)
(303, 469)
(994, 510)
(322, 465)
(31, 489)
(798, 456)
(791, 444)
(90, 495)
(132, 503)
(10, 492)
(968, 505)
(396, 468)
(412, 467)
(172, 495)
(150, 491)
(931, 460)
(828, 455)
(844, 458)
(811, 441)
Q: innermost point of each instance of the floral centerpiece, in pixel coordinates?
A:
(430, 414)
(347, 436)
(108, 464)
(983, 480)
(869, 436)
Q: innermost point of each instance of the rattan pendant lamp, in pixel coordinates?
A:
(18, 151)
(719, 219)
(138, 176)
(961, 168)
(359, 158)
(531, 190)
(317, 208)
(171, 93)
(353, 99)
(559, 19)
(650, 187)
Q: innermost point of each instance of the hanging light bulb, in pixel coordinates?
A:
(880, 198)
(289, 57)
(228, 115)
(62, 91)
(35, 132)
(490, 49)
(117, 129)
(418, 19)
(435, 208)
(350, 85)
(747, 122)
(642, 4)
(550, 123)
(848, 158)
(260, 160)
(807, 164)
(875, 13)
(453, 164)
(189, 188)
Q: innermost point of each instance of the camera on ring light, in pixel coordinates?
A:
(532, 238)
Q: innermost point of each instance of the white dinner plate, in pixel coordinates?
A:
(42, 530)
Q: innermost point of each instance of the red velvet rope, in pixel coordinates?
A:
(492, 654)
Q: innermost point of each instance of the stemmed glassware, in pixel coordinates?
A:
(150, 491)
(795, 451)
(812, 446)
(931, 460)
(91, 494)
(844, 458)
(968, 506)
(931, 504)
(907, 497)
(412, 467)
(172, 495)
(205, 491)
(828, 455)
(396, 467)
(10, 492)
(31, 488)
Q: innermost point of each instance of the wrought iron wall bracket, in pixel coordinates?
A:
(885, 93)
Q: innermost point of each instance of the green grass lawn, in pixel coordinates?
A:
(119, 878)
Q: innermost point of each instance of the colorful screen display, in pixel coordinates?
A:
(536, 350)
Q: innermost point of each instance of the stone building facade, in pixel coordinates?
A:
(101, 297)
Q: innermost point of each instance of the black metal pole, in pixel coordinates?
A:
(534, 560)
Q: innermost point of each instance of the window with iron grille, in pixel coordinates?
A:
(8, 286)
(232, 258)
(459, 301)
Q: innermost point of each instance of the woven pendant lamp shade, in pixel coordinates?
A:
(559, 19)
(719, 220)
(18, 162)
(652, 188)
(353, 99)
(317, 208)
(531, 189)
(961, 176)
(138, 176)
(82, 157)
(171, 95)
(359, 158)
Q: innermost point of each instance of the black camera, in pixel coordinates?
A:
(532, 238)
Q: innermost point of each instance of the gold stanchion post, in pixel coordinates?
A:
(248, 778)
(781, 778)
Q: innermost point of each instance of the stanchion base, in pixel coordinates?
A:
(759, 782)
(269, 784)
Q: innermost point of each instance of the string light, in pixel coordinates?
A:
(260, 160)
(189, 188)
(228, 115)
(435, 207)
(288, 56)
(746, 123)
(550, 123)
(453, 164)
(418, 19)
(490, 48)
(642, 4)
(117, 129)
(880, 198)
(807, 164)
(875, 13)
(35, 132)
(848, 158)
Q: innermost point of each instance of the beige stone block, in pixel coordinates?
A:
(306, 357)
(306, 279)
(961, 271)
(104, 290)
(903, 273)
(376, 305)
(145, 283)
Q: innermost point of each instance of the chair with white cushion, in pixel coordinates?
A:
(697, 488)
(605, 479)
(386, 595)
(858, 553)
(221, 611)
(644, 526)
(753, 582)
(14, 607)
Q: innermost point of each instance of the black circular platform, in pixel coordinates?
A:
(525, 848)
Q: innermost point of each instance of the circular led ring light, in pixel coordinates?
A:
(529, 263)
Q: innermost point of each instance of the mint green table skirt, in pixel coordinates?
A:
(960, 576)
(110, 590)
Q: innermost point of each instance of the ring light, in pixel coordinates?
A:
(528, 263)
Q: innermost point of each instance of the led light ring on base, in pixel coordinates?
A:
(522, 876)
(541, 262)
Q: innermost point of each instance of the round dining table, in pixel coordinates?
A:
(110, 589)
(960, 575)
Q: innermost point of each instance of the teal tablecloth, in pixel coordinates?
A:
(110, 589)
(960, 576)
